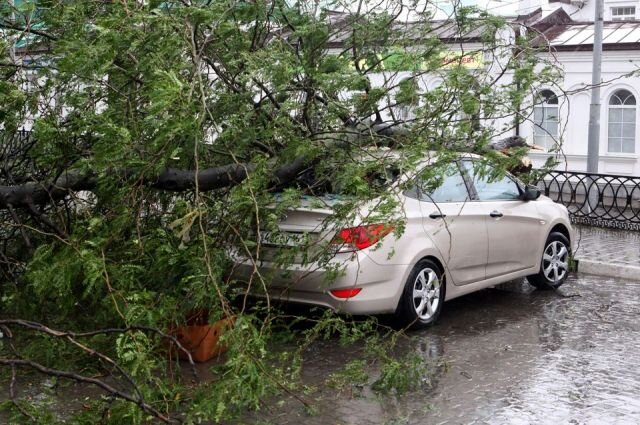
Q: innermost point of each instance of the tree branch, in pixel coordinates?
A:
(173, 180)
(79, 378)
(28, 29)
(4, 323)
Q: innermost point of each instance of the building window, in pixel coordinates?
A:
(623, 13)
(407, 99)
(622, 122)
(546, 119)
(404, 112)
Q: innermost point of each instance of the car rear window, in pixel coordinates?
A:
(374, 179)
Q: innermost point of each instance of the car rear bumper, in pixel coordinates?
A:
(381, 285)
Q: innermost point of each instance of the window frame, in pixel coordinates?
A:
(475, 195)
(416, 192)
(622, 106)
(621, 17)
(546, 99)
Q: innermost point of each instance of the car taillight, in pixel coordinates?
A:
(361, 237)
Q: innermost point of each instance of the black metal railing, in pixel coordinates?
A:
(603, 200)
(20, 134)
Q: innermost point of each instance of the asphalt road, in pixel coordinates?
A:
(506, 356)
(510, 355)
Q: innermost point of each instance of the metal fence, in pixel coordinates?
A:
(18, 135)
(603, 200)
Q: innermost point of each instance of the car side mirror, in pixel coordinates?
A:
(530, 193)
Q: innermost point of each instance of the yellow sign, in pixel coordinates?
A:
(471, 60)
(401, 60)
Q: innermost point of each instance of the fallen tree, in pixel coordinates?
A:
(173, 180)
(182, 118)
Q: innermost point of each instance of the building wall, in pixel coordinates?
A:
(574, 111)
(586, 12)
(579, 10)
(489, 68)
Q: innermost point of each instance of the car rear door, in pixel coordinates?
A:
(456, 227)
(514, 227)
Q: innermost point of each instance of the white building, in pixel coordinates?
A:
(563, 114)
(560, 119)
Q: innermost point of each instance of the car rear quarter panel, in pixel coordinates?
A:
(409, 246)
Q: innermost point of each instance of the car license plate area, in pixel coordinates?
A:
(282, 239)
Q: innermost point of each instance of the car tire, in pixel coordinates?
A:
(422, 297)
(554, 264)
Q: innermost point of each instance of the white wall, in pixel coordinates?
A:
(574, 111)
(587, 12)
(580, 11)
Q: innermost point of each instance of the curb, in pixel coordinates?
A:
(607, 269)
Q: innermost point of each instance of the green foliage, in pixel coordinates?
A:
(354, 374)
(401, 374)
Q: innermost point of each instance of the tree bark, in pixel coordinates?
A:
(20, 196)
(171, 179)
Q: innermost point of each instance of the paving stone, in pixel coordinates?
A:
(616, 247)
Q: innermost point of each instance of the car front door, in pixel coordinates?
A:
(513, 226)
(455, 226)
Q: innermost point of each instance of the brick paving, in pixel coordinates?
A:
(615, 247)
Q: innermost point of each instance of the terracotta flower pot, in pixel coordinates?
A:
(202, 340)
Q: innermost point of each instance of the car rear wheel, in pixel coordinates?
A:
(422, 297)
(554, 265)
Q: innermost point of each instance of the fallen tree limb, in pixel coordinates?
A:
(12, 396)
(174, 180)
(20, 196)
(5, 323)
(26, 195)
(88, 380)
(136, 397)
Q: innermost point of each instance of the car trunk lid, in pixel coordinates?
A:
(303, 232)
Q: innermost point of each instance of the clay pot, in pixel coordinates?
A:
(202, 340)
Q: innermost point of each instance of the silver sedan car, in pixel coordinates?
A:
(468, 234)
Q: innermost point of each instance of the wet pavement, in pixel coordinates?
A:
(509, 355)
(616, 247)
(505, 356)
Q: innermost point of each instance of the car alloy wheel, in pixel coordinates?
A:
(555, 261)
(422, 297)
(426, 293)
(554, 265)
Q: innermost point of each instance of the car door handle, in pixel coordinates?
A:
(495, 214)
(435, 215)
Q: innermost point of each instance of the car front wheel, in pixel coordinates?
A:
(422, 297)
(554, 265)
